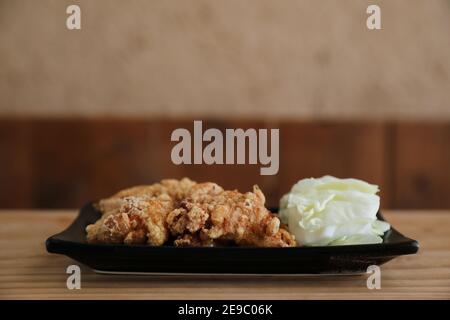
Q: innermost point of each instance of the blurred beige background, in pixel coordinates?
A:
(255, 58)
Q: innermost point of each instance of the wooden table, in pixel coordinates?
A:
(27, 271)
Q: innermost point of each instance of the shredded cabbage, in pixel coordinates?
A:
(332, 211)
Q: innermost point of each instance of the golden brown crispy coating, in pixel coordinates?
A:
(175, 189)
(138, 220)
(195, 214)
(229, 215)
(193, 240)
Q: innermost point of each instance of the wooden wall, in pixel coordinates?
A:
(62, 163)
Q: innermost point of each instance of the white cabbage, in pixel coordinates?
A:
(332, 211)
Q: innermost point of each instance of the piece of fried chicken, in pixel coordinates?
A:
(175, 189)
(138, 220)
(137, 215)
(210, 215)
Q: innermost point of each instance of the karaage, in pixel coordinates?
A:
(189, 214)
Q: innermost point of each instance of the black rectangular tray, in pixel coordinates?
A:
(118, 258)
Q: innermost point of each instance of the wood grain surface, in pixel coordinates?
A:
(61, 163)
(27, 271)
(420, 168)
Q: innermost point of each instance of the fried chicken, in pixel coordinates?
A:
(138, 220)
(190, 214)
(227, 216)
(137, 215)
(175, 189)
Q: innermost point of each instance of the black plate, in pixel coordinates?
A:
(223, 260)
